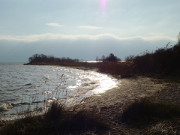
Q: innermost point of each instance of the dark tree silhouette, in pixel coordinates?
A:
(111, 58)
(43, 59)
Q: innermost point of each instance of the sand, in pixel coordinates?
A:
(114, 101)
(126, 92)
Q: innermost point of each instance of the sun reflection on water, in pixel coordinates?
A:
(105, 83)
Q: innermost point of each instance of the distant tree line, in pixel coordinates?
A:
(43, 59)
(164, 62)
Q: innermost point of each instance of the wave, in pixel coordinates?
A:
(32, 86)
(5, 107)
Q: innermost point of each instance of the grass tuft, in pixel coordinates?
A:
(55, 112)
(145, 112)
(162, 128)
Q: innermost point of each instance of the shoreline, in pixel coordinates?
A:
(127, 90)
(94, 83)
(115, 101)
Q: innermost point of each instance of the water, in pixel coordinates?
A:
(26, 88)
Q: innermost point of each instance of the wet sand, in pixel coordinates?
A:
(126, 92)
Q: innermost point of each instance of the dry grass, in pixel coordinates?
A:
(57, 121)
(145, 113)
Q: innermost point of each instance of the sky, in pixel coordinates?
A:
(85, 29)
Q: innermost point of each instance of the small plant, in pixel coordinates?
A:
(55, 112)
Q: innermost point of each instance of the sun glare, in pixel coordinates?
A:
(103, 4)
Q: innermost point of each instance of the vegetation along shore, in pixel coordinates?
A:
(146, 101)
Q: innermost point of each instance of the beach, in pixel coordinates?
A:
(114, 95)
(111, 104)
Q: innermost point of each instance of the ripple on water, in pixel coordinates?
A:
(22, 86)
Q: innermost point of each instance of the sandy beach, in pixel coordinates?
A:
(113, 102)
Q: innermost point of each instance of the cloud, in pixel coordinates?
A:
(51, 36)
(54, 24)
(90, 27)
(83, 47)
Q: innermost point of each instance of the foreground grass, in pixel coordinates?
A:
(145, 113)
(56, 121)
(143, 118)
